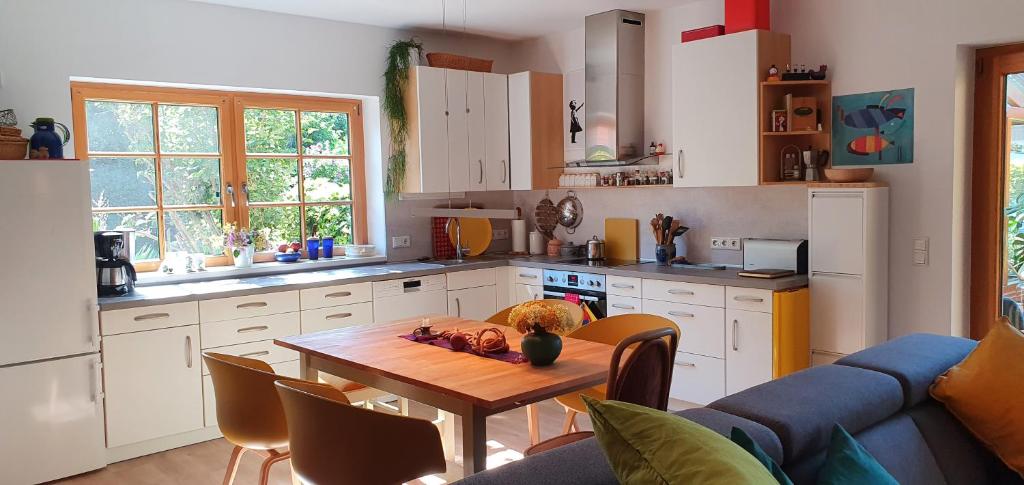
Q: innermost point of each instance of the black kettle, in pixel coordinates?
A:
(114, 277)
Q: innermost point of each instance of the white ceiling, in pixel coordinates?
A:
(504, 19)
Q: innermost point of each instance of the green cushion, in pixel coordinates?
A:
(848, 463)
(741, 438)
(648, 446)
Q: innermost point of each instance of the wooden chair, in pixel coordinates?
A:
(331, 441)
(611, 331)
(643, 379)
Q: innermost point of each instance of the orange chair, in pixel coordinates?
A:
(643, 379)
(329, 439)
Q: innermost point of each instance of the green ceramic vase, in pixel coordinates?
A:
(541, 347)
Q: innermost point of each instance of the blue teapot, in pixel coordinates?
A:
(46, 136)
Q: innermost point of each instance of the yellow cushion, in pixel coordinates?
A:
(985, 393)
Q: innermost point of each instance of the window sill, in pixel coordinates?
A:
(258, 269)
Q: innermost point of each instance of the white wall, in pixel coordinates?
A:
(195, 43)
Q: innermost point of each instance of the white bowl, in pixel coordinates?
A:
(359, 250)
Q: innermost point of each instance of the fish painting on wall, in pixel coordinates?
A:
(873, 128)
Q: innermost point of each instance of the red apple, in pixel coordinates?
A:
(296, 245)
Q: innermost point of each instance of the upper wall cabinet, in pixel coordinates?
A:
(535, 130)
(458, 131)
(715, 86)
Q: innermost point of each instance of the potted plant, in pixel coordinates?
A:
(396, 77)
(541, 324)
(240, 244)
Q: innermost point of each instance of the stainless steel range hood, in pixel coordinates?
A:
(614, 127)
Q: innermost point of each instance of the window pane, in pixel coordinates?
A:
(123, 182)
(330, 220)
(191, 181)
(194, 231)
(283, 223)
(119, 127)
(147, 244)
(269, 131)
(327, 180)
(324, 133)
(188, 129)
(273, 179)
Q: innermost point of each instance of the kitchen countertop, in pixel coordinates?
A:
(229, 287)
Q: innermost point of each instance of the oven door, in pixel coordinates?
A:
(596, 301)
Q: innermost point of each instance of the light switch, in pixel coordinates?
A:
(921, 251)
(921, 244)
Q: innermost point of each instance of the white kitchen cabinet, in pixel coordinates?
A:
(153, 384)
(523, 293)
(476, 127)
(697, 379)
(455, 89)
(152, 317)
(837, 229)
(682, 292)
(473, 303)
(496, 139)
(715, 86)
(336, 295)
(320, 319)
(748, 355)
(427, 145)
(837, 310)
(701, 328)
(623, 305)
(536, 140)
(504, 281)
(232, 308)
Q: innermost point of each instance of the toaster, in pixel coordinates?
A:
(760, 254)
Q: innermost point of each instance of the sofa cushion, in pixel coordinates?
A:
(582, 462)
(847, 462)
(723, 424)
(802, 407)
(913, 360)
(962, 458)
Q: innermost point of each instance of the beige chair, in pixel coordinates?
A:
(331, 441)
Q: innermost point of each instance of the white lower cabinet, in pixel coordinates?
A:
(698, 379)
(153, 384)
(321, 319)
(701, 328)
(623, 305)
(523, 293)
(748, 357)
(473, 303)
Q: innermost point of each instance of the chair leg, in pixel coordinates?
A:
(236, 457)
(273, 456)
(446, 426)
(570, 421)
(533, 423)
(403, 406)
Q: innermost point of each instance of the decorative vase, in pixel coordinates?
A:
(243, 256)
(541, 346)
(46, 136)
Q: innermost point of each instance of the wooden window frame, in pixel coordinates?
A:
(989, 183)
(230, 106)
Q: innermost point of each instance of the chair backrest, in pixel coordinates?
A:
(613, 330)
(334, 442)
(249, 412)
(646, 375)
(501, 318)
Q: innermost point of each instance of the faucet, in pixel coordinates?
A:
(458, 236)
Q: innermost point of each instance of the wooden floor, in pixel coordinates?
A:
(204, 463)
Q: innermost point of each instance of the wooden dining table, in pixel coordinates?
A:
(464, 384)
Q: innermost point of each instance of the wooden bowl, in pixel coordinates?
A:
(848, 175)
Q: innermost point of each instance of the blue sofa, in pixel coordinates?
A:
(880, 395)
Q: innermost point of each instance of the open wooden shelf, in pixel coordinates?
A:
(772, 97)
(795, 83)
(790, 133)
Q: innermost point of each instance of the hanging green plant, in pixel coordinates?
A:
(396, 78)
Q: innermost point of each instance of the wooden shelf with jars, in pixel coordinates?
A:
(817, 135)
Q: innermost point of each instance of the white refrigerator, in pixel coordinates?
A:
(51, 399)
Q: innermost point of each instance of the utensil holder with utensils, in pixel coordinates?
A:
(665, 230)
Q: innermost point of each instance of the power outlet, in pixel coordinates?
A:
(499, 234)
(727, 243)
(400, 242)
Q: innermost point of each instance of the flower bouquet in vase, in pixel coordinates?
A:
(542, 322)
(240, 243)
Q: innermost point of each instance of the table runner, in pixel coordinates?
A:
(511, 356)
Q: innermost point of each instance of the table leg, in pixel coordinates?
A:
(474, 441)
(533, 419)
(446, 425)
(306, 370)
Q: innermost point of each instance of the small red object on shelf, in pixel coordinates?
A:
(742, 15)
(703, 33)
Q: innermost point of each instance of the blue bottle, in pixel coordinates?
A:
(46, 136)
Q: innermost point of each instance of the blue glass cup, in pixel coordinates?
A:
(313, 248)
(327, 246)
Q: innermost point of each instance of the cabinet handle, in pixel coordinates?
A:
(623, 286)
(97, 384)
(338, 294)
(681, 314)
(686, 364)
(504, 171)
(481, 162)
(458, 307)
(751, 299)
(536, 296)
(258, 328)
(623, 306)
(255, 304)
(679, 163)
(735, 335)
(152, 316)
(260, 353)
(188, 351)
(528, 276)
(674, 291)
(338, 316)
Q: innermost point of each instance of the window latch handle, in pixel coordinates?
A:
(231, 192)
(245, 190)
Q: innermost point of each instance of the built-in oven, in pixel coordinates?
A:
(589, 287)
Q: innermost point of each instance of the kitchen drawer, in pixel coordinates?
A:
(692, 293)
(471, 279)
(623, 305)
(154, 317)
(697, 379)
(335, 295)
(623, 286)
(528, 276)
(264, 350)
(287, 369)
(320, 319)
(701, 328)
(751, 299)
(232, 332)
(248, 306)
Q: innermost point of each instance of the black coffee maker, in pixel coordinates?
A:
(115, 275)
